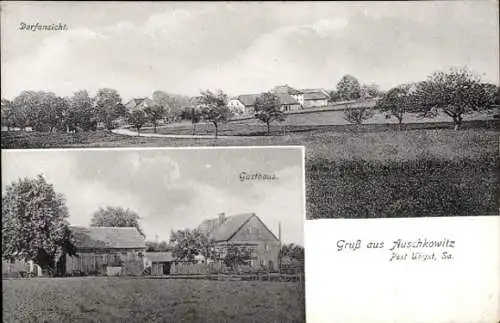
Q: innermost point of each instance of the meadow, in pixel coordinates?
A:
(106, 299)
(372, 170)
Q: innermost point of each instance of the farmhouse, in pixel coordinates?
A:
(247, 102)
(105, 250)
(160, 262)
(244, 230)
(315, 98)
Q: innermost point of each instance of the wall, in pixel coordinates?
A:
(95, 262)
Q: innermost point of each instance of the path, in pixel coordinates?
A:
(127, 132)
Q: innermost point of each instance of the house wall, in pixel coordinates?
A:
(94, 262)
(290, 107)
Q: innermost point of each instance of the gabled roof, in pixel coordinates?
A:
(159, 256)
(107, 238)
(285, 89)
(248, 99)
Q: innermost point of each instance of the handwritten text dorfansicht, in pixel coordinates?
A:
(43, 27)
(245, 177)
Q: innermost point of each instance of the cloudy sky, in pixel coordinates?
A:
(171, 188)
(181, 48)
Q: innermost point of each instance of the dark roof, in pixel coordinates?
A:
(286, 99)
(248, 99)
(285, 89)
(315, 96)
(107, 238)
(159, 256)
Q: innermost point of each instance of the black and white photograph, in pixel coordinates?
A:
(153, 235)
(397, 103)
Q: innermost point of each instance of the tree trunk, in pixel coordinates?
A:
(138, 131)
(400, 123)
(457, 120)
(216, 130)
(154, 127)
(194, 129)
(268, 128)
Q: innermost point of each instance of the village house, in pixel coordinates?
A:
(159, 262)
(105, 251)
(297, 95)
(315, 98)
(246, 103)
(244, 230)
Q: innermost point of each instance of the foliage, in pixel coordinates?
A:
(154, 113)
(268, 109)
(34, 225)
(190, 243)
(116, 217)
(368, 91)
(456, 92)
(334, 96)
(235, 256)
(137, 118)
(292, 251)
(358, 115)
(81, 114)
(397, 101)
(8, 114)
(349, 88)
(213, 107)
(106, 103)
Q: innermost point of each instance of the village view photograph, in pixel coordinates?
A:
(163, 235)
(396, 103)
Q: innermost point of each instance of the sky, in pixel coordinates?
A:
(171, 189)
(184, 47)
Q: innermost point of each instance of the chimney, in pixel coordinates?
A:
(222, 218)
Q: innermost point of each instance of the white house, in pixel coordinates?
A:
(315, 98)
(286, 89)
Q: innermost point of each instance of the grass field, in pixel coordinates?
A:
(102, 299)
(361, 171)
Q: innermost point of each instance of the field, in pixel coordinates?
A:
(373, 170)
(102, 299)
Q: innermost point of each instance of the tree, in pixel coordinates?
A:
(116, 217)
(190, 243)
(106, 102)
(268, 109)
(154, 113)
(349, 88)
(397, 102)
(369, 91)
(358, 115)
(82, 114)
(195, 118)
(51, 112)
(334, 96)
(34, 225)
(137, 118)
(26, 105)
(157, 246)
(456, 92)
(214, 108)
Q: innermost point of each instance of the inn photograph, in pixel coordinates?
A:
(181, 224)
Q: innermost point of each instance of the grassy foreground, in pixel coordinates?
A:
(102, 299)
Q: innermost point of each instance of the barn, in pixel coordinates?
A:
(244, 230)
(159, 262)
(105, 251)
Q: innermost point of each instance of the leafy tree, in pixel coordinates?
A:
(368, 91)
(292, 251)
(154, 113)
(34, 225)
(51, 112)
(268, 109)
(358, 115)
(349, 88)
(106, 102)
(26, 105)
(397, 102)
(137, 118)
(214, 108)
(334, 96)
(456, 92)
(116, 217)
(82, 114)
(195, 118)
(186, 244)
